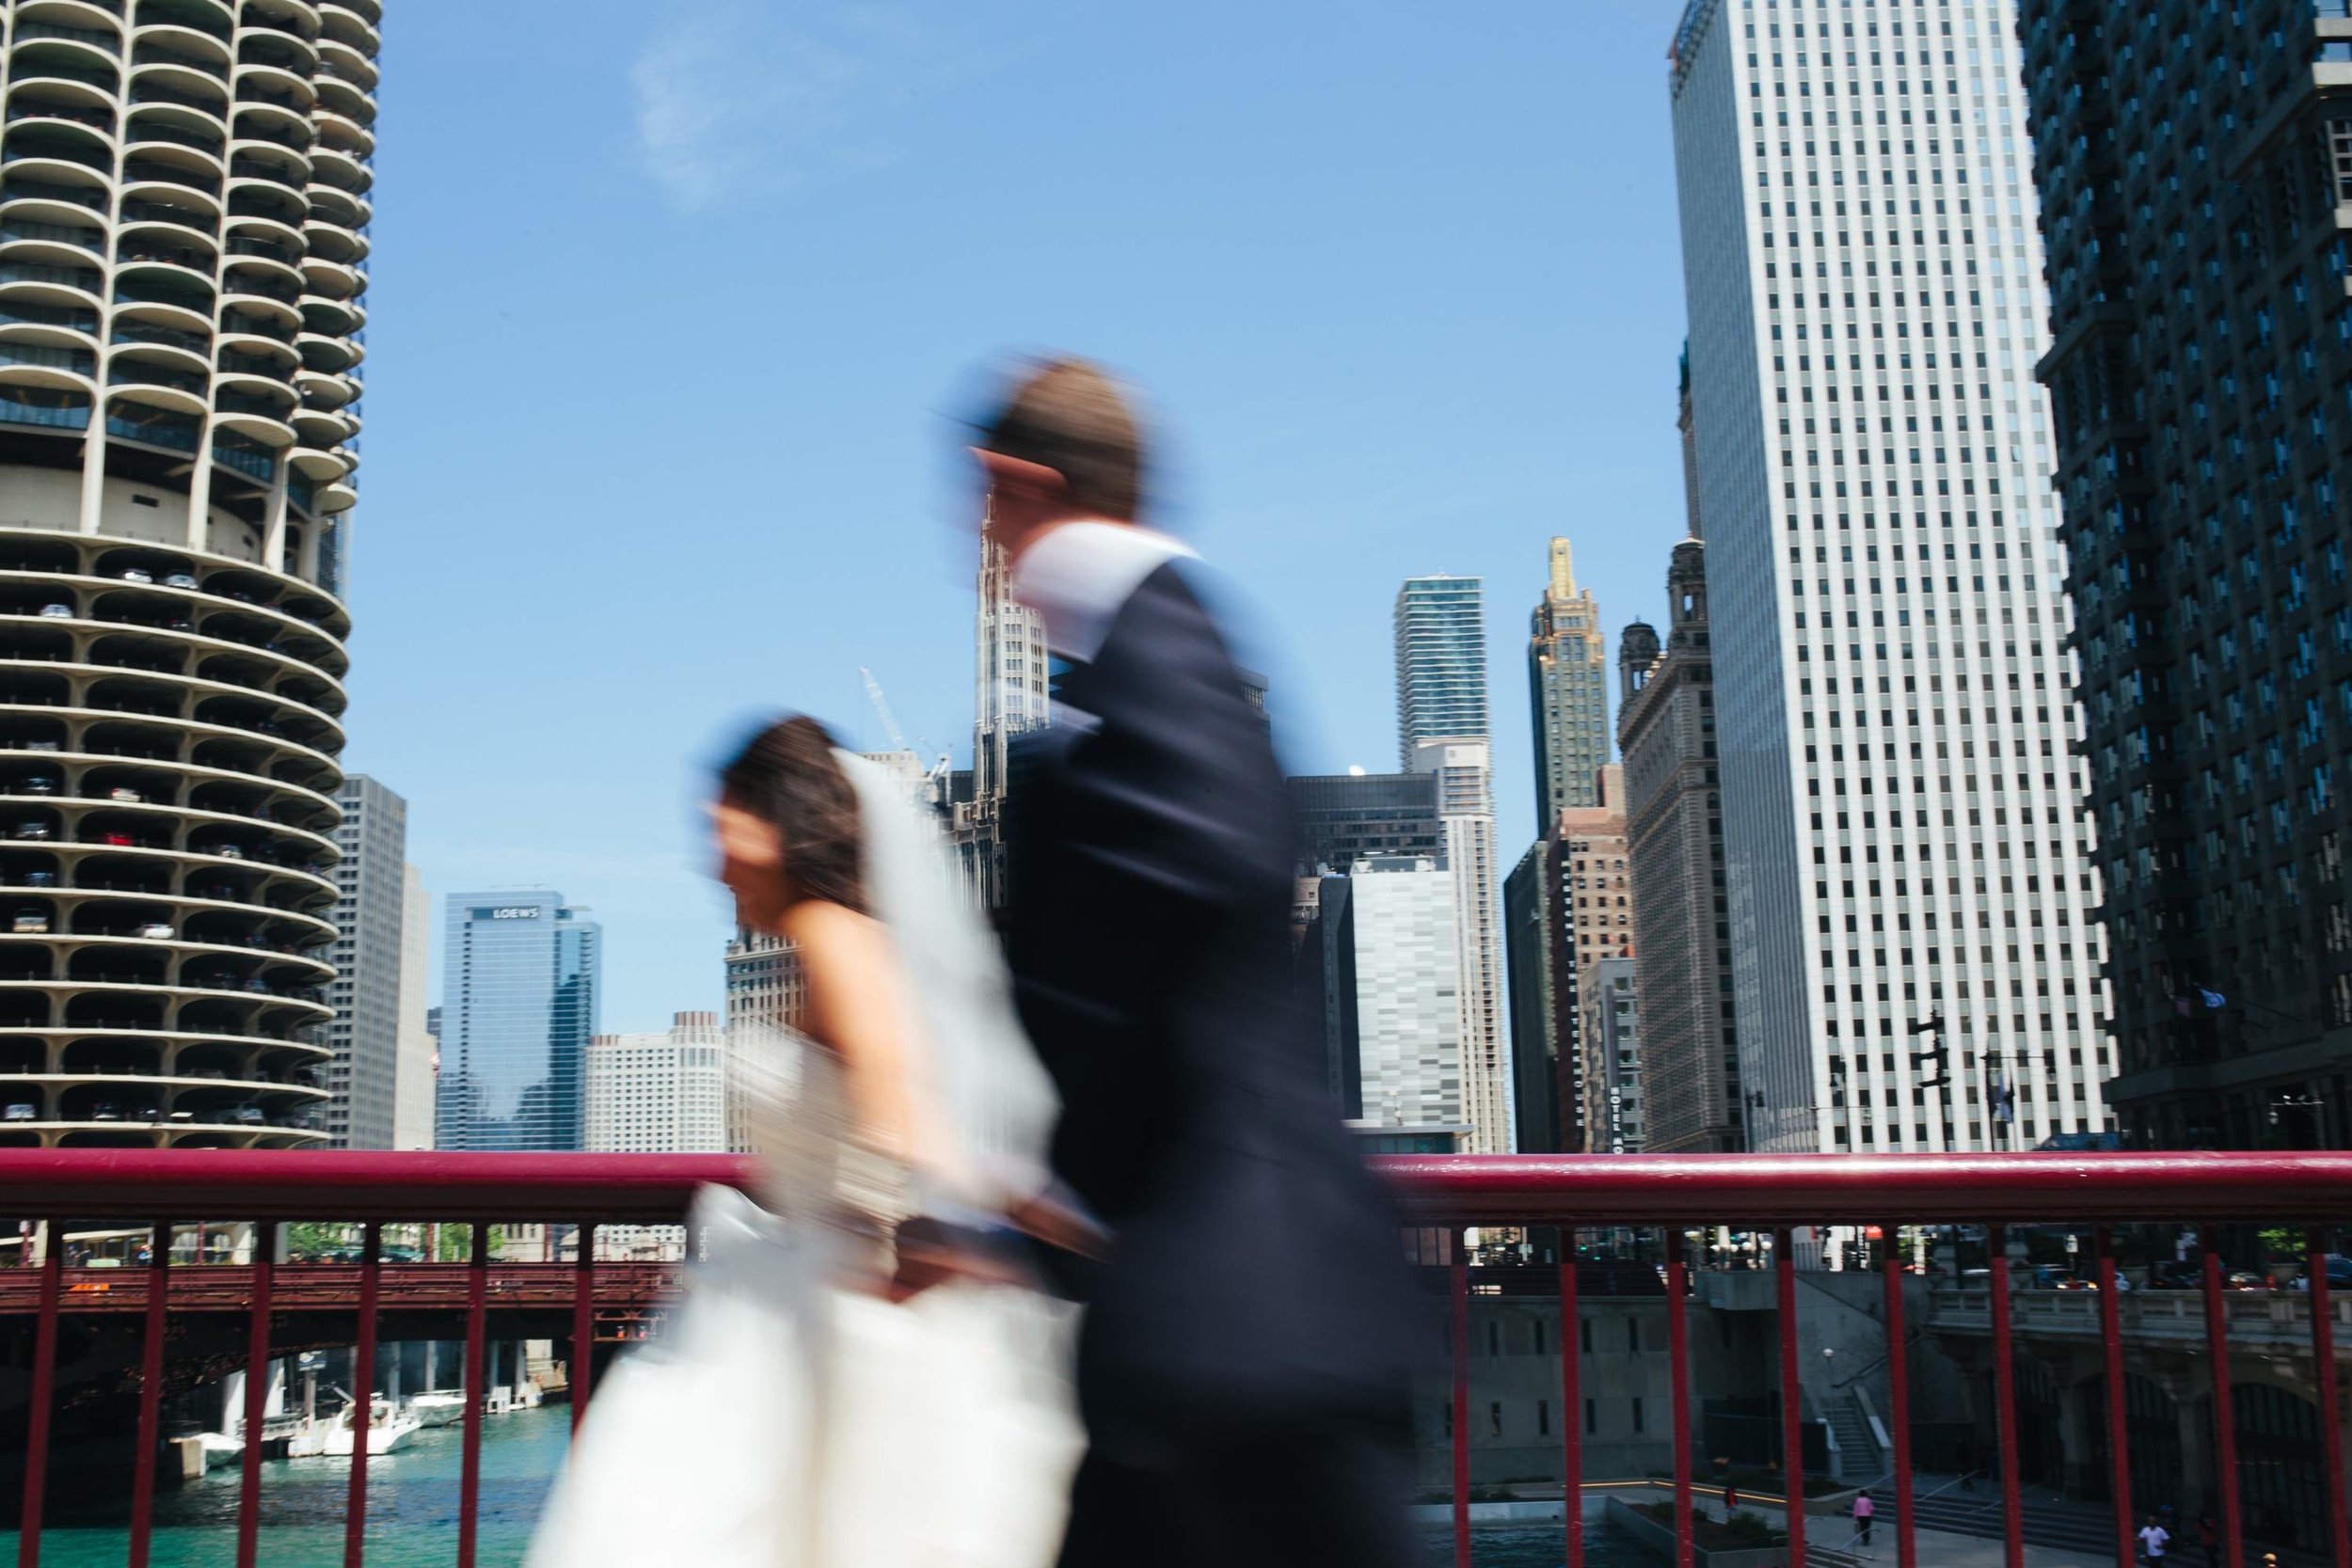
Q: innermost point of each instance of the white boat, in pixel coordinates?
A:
(439, 1407)
(388, 1435)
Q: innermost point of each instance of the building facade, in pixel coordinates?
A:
(1011, 697)
(414, 1084)
(1674, 854)
(2201, 346)
(519, 1006)
(1901, 833)
(1343, 817)
(1529, 902)
(176, 440)
(370, 916)
(659, 1093)
(1407, 1025)
(1568, 688)
(1466, 816)
(1612, 1042)
(1591, 920)
(1440, 625)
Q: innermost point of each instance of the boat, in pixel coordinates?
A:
(388, 1436)
(437, 1407)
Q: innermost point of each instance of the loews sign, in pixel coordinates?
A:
(519, 911)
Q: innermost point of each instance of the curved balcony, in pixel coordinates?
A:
(156, 385)
(213, 18)
(165, 287)
(206, 98)
(101, 822)
(298, 17)
(170, 61)
(46, 409)
(36, 150)
(261, 417)
(89, 48)
(340, 131)
(173, 345)
(334, 168)
(49, 201)
(180, 179)
(51, 70)
(57, 245)
(352, 22)
(259, 81)
(63, 115)
(325, 353)
(46, 367)
(39, 283)
(331, 205)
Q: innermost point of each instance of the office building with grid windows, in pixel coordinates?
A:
(1440, 624)
(2195, 165)
(1902, 831)
(519, 1009)
(662, 1092)
(1567, 687)
(371, 916)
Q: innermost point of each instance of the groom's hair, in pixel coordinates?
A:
(790, 777)
(1069, 416)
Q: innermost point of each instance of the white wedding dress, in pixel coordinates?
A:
(786, 1421)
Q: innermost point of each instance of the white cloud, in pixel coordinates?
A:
(738, 98)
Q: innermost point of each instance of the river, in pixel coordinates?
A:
(412, 1511)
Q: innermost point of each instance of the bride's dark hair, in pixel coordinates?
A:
(788, 776)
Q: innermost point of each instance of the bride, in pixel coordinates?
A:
(857, 1374)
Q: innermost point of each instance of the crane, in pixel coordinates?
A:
(937, 773)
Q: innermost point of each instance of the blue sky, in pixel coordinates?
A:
(674, 302)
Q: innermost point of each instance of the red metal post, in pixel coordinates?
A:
(2224, 1417)
(2118, 1430)
(363, 1394)
(1898, 1397)
(43, 1394)
(1460, 1290)
(1571, 1404)
(256, 1394)
(2323, 1360)
(1678, 1348)
(1791, 1396)
(151, 1394)
(582, 1370)
(477, 1390)
(2005, 1401)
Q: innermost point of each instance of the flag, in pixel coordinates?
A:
(2212, 999)
(2004, 1104)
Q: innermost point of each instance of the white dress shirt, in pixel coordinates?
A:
(1079, 575)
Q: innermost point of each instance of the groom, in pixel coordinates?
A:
(1241, 1371)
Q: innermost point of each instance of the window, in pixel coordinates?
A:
(1543, 1418)
(1637, 1413)
(1633, 1338)
(1494, 1420)
(1591, 1418)
(1584, 1334)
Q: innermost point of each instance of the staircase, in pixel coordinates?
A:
(1857, 1444)
(2085, 1527)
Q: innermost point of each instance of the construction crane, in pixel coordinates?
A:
(937, 773)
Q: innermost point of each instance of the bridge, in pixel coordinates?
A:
(1794, 1200)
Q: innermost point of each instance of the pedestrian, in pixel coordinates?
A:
(2153, 1540)
(1731, 1499)
(1244, 1360)
(2209, 1537)
(1865, 1509)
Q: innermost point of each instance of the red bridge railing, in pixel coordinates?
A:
(1787, 1197)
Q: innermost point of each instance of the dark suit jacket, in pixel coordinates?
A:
(1256, 1276)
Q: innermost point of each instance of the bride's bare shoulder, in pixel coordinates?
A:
(819, 924)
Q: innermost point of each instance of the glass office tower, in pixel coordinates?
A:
(517, 1011)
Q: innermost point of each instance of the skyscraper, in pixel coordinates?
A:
(414, 1083)
(2197, 373)
(1900, 822)
(1402, 933)
(664, 1092)
(1614, 1115)
(1010, 698)
(1592, 919)
(371, 912)
(1568, 686)
(1675, 850)
(1440, 663)
(1344, 817)
(1529, 905)
(1466, 816)
(519, 1006)
(176, 440)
